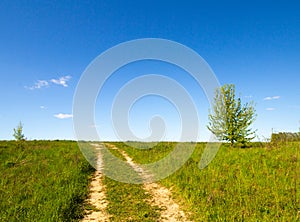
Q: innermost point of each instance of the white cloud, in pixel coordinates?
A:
(61, 81)
(270, 109)
(268, 98)
(271, 97)
(38, 85)
(46, 83)
(63, 116)
(43, 107)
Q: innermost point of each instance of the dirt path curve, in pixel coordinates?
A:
(97, 197)
(161, 196)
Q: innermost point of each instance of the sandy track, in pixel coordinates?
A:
(97, 197)
(161, 196)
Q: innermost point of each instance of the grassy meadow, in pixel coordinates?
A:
(260, 183)
(42, 181)
(48, 181)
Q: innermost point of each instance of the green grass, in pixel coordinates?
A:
(254, 184)
(126, 202)
(146, 152)
(42, 181)
(48, 181)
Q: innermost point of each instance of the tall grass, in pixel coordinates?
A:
(48, 181)
(42, 181)
(255, 184)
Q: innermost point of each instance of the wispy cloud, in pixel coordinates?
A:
(270, 109)
(271, 97)
(63, 116)
(248, 97)
(276, 97)
(61, 81)
(43, 107)
(38, 85)
(46, 83)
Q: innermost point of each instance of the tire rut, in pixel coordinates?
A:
(97, 196)
(161, 196)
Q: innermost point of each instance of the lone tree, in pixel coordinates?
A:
(18, 132)
(230, 119)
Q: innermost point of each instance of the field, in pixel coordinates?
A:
(42, 181)
(48, 181)
(255, 184)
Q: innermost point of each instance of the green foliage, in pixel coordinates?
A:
(42, 181)
(285, 137)
(256, 184)
(230, 119)
(18, 132)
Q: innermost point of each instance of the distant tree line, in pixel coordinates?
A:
(285, 137)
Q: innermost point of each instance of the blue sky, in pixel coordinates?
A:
(46, 46)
